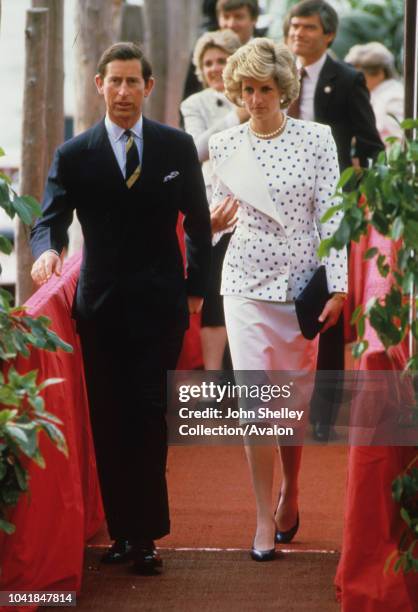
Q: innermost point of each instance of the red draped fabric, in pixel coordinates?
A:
(373, 525)
(191, 354)
(64, 506)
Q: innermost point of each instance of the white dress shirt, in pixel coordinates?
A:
(118, 142)
(310, 80)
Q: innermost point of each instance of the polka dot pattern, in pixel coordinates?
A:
(268, 260)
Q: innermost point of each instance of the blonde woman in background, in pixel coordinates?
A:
(284, 172)
(206, 113)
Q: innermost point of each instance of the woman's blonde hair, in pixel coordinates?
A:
(262, 59)
(225, 40)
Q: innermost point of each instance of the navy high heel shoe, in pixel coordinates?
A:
(263, 555)
(284, 537)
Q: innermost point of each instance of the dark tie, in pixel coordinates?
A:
(133, 167)
(294, 108)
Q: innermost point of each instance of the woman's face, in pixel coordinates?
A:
(213, 63)
(261, 98)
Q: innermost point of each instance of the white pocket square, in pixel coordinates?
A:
(171, 176)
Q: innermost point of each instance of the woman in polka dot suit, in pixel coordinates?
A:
(284, 172)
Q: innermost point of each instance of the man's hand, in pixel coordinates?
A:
(331, 312)
(223, 216)
(195, 304)
(45, 266)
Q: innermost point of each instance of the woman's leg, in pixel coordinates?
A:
(261, 463)
(287, 508)
(213, 346)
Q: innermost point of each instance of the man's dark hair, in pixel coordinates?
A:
(232, 5)
(326, 13)
(124, 51)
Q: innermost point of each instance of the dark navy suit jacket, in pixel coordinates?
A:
(342, 101)
(131, 257)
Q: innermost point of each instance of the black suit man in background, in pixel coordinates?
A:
(335, 94)
(128, 178)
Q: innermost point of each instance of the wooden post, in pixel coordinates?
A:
(94, 33)
(117, 8)
(170, 31)
(181, 34)
(33, 137)
(156, 48)
(132, 26)
(55, 76)
(410, 59)
(411, 111)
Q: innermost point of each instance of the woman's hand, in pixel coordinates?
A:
(332, 311)
(223, 216)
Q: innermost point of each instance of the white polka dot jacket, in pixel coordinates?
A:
(285, 185)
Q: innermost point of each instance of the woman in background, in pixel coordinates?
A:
(205, 113)
(386, 91)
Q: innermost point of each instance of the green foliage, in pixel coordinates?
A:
(364, 21)
(386, 197)
(22, 408)
(405, 492)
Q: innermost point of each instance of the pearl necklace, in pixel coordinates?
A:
(277, 132)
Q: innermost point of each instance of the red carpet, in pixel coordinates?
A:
(212, 504)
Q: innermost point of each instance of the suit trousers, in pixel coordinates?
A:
(126, 384)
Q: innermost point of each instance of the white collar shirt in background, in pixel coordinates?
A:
(118, 141)
(306, 107)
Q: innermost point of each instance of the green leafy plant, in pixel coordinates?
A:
(22, 407)
(363, 21)
(385, 196)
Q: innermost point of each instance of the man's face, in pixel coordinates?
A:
(239, 21)
(306, 38)
(124, 90)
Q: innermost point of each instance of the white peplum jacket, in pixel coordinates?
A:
(284, 185)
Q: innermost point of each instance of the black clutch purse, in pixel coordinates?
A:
(310, 303)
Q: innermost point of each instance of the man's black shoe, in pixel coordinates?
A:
(323, 433)
(147, 561)
(120, 552)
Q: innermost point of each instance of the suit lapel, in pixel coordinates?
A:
(241, 173)
(103, 156)
(324, 89)
(152, 152)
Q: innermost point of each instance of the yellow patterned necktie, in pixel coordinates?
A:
(133, 167)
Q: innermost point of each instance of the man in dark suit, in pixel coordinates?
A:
(335, 94)
(128, 178)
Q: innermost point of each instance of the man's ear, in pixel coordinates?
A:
(149, 86)
(99, 83)
(330, 38)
